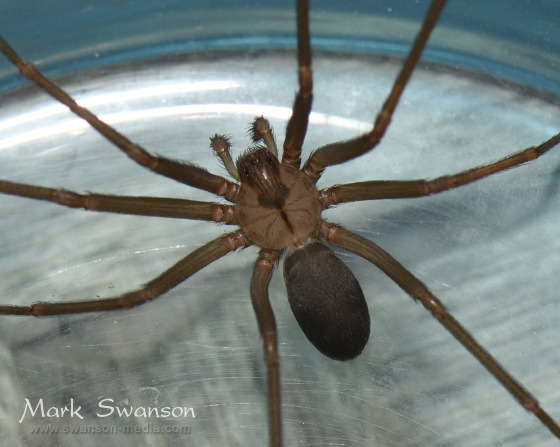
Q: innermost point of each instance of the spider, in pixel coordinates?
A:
(278, 208)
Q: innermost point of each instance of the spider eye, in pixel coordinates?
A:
(327, 301)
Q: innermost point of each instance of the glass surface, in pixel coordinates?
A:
(169, 75)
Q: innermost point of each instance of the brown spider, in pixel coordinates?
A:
(278, 208)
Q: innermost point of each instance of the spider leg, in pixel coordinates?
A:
(297, 125)
(419, 292)
(182, 172)
(395, 189)
(341, 151)
(173, 276)
(262, 272)
(141, 206)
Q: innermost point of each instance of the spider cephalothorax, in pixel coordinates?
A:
(277, 205)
